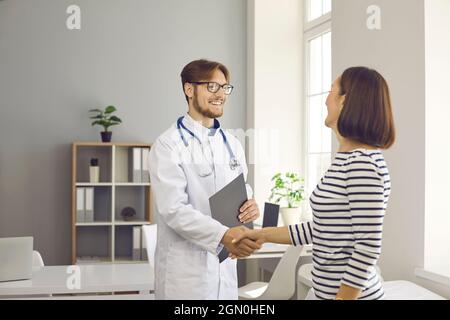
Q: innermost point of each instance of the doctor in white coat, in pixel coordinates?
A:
(188, 163)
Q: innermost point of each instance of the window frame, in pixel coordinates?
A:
(310, 24)
(311, 30)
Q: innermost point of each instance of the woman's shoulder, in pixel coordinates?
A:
(358, 154)
(362, 158)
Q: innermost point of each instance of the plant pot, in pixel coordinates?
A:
(106, 136)
(290, 216)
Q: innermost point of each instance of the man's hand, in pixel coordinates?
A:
(249, 211)
(240, 249)
(256, 236)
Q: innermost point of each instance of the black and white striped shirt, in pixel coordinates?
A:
(348, 206)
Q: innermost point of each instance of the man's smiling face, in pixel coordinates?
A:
(207, 103)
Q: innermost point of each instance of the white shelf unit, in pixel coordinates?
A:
(93, 224)
(99, 184)
(108, 239)
(130, 223)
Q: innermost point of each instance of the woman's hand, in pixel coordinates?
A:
(348, 293)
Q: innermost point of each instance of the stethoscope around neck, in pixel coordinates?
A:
(234, 163)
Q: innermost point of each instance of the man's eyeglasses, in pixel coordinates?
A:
(213, 87)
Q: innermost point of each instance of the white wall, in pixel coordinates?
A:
(437, 188)
(275, 89)
(398, 52)
(274, 99)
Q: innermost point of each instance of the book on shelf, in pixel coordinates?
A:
(138, 165)
(85, 204)
(135, 164)
(143, 246)
(145, 173)
(80, 205)
(139, 252)
(89, 213)
(136, 255)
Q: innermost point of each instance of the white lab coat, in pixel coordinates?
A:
(186, 265)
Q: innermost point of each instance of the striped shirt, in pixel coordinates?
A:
(348, 205)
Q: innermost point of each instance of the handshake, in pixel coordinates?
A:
(242, 242)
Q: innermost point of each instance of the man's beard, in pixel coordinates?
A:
(205, 112)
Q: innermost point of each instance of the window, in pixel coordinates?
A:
(317, 9)
(317, 46)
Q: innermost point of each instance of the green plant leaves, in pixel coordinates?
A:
(116, 119)
(96, 110)
(288, 187)
(110, 109)
(103, 123)
(278, 175)
(104, 117)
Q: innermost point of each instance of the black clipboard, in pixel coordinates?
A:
(225, 205)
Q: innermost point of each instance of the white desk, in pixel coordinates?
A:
(272, 250)
(99, 278)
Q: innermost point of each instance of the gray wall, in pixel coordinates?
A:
(128, 53)
(397, 51)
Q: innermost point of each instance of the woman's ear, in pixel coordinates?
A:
(341, 101)
(188, 90)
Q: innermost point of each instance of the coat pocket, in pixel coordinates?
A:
(185, 274)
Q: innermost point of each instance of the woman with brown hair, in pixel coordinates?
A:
(350, 201)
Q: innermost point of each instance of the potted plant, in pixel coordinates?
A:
(105, 119)
(288, 193)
